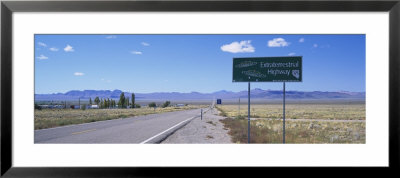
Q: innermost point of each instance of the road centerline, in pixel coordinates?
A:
(81, 132)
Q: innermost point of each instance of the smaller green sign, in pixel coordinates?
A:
(267, 69)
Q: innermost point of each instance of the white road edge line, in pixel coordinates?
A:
(166, 130)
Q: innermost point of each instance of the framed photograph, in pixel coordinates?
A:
(113, 88)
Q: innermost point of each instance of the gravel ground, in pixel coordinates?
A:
(207, 130)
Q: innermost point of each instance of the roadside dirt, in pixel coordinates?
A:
(206, 130)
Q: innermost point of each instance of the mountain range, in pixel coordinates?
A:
(222, 94)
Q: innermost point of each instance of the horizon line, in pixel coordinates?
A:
(197, 91)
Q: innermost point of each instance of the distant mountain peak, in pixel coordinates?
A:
(223, 94)
(223, 91)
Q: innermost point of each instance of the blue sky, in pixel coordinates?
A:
(186, 63)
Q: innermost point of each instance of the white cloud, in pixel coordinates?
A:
(136, 52)
(69, 48)
(301, 40)
(79, 74)
(53, 49)
(145, 44)
(315, 45)
(111, 37)
(42, 44)
(42, 57)
(238, 47)
(291, 54)
(278, 42)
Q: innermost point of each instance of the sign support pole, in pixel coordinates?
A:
(284, 93)
(248, 115)
(239, 107)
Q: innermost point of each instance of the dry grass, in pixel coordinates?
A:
(299, 111)
(346, 125)
(270, 131)
(48, 118)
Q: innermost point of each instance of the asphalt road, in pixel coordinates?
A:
(140, 129)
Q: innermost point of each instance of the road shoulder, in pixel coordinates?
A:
(206, 130)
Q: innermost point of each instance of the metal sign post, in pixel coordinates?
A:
(284, 93)
(248, 116)
(239, 108)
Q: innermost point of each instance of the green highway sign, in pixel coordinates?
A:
(267, 69)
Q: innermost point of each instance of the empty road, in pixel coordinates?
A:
(140, 129)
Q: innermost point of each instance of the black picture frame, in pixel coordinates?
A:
(8, 7)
